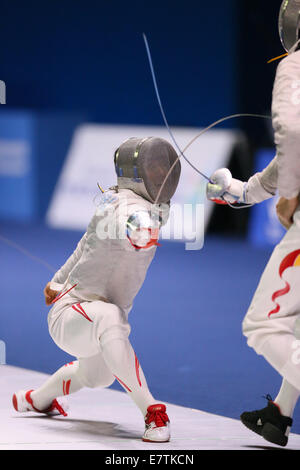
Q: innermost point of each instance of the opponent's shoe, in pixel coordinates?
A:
(22, 402)
(157, 424)
(269, 423)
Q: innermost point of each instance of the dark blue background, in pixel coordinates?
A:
(211, 57)
(90, 56)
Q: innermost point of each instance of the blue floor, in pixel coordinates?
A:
(186, 322)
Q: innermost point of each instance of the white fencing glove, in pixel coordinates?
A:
(224, 189)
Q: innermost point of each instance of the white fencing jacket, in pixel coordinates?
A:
(283, 173)
(105, 265)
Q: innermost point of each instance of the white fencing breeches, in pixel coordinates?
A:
(76, 327)
(272, 324)
(97, 334)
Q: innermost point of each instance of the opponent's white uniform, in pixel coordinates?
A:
(271, 324)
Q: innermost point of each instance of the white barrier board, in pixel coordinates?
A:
(90, 161)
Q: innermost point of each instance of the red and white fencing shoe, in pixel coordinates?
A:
(22, 402)
(157, 424)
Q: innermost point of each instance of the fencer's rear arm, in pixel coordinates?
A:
(286, 123)
(61, 275)
(258, 188)
(262, 185)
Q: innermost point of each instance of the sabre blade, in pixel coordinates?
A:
(214, 124)
(163, 112)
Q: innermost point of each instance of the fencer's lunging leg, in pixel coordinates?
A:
(124, 365)
(90, 372)
(65, 381)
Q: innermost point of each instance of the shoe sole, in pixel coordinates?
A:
(15, 402)
(274, 435)
(155, 442)
(253, 427)
(269, 432)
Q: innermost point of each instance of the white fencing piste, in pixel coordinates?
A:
(106, 419)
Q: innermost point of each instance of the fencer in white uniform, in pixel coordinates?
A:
(93, 293)
(272, 324)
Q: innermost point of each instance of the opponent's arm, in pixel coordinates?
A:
(286, 209)
(225, 189)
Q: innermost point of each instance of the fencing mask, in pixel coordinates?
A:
(289, 23)
(142, 166)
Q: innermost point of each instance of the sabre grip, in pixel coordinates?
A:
(223, 189)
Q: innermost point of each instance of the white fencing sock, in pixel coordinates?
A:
(287, 399)
(124, 365)
(63, 382)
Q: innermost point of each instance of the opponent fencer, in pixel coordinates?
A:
(93, 292)
(272, 324)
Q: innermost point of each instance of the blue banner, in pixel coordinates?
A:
(17, 169)
(33, 147)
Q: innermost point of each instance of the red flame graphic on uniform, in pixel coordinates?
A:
(66, 387)
(291, 260)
